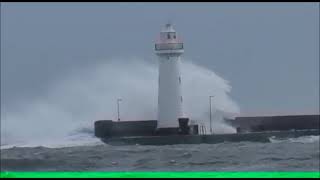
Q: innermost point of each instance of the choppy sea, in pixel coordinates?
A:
(89, 154)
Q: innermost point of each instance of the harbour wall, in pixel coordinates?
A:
(275, 123)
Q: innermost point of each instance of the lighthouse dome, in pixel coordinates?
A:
(168, 28)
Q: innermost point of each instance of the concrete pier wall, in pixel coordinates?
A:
(275, 123)
(105, 128)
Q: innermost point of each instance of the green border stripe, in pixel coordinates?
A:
(159, 174)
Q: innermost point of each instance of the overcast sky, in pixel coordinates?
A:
(269, 52)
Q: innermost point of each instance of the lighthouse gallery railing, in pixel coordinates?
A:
(169, 46)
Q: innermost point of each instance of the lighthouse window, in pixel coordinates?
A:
(179, 80)
(181, 98)
(168, 36)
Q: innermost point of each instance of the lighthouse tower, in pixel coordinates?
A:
(169, 48)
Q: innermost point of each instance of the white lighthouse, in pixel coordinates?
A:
(169, 48)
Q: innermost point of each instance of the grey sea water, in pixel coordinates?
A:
(299, 154)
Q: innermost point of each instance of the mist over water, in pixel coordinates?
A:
(72, 105)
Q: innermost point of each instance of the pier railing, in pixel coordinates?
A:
(202, 130)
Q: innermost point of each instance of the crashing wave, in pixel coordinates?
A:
(302, 139)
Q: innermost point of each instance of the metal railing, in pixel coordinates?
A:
(169, 46)
(202, 130)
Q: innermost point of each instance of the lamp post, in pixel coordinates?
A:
(118, 100)
(210, 114)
